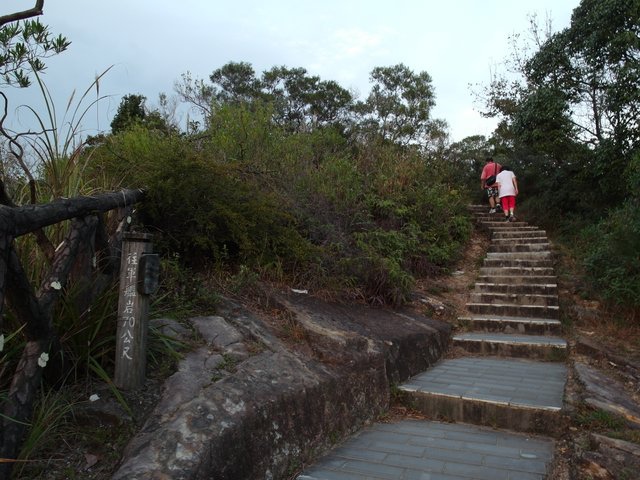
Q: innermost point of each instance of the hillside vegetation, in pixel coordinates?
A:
(286, 178)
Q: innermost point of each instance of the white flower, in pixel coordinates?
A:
(56, 285)
(1, 342)
(44, 358)
(94, 398)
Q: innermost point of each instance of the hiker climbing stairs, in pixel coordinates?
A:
(503, 383)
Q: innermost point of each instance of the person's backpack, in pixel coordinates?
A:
(492, 179)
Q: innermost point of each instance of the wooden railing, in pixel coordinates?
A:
(34, 307)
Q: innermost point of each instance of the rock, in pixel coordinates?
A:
(171, 328)
(277, 407)
(607, 394)
(610, 458)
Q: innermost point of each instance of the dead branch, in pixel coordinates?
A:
(27, 218)
(17, 16)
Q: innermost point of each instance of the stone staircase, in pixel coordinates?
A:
(508, 373)
(516, 376)
(514, 308)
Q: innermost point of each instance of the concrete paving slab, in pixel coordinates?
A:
(517, 271)
(530, 239)
(517, 262)
(534, 384)
(519, 247)
(425, 450)
(512, 278)
(507, 318)
(511, 325)
(541, 311)
(542, 287)
(512, 298)
(518, 255)
(511, 338)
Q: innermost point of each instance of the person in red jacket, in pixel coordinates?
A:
(491, 168)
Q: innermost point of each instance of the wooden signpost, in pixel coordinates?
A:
(138, 279)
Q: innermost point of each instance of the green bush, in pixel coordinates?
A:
(207, 211)
(612, 256)
(383, 220)
(307, 207)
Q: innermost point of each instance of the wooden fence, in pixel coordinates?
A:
(34, 307)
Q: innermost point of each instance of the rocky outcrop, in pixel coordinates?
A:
(259, 400)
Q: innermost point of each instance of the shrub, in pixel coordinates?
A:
(612, 258)
(247, 194)
(205, 210)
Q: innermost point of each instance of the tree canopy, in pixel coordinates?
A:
(397, 110)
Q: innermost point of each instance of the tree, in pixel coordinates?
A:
(595, 63)
(290, 90)
(133, 111)
(331, 104)
(130, 111)
(466, 158)
(593, 66)
(399, 105)
(198, 94)
(235, 82)
(300, 102)
(23, 46)
(576, 89)
(303, 102)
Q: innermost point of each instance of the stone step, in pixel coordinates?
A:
(489, 217)
(493, 262)
(478, 206)
(523, 325)
(505, 234)
(519, 247)
(542, 347)
(517, 279)
(498, 298)
(518, 271)
(519, 240)
(544, 255)
(517, 288)
(420, 449)
(502, 225)
(516, 394)
(509, 310)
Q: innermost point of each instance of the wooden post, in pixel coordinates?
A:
(133, 307)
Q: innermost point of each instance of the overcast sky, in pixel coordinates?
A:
(151, 43)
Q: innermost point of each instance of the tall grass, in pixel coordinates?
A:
(58, 148)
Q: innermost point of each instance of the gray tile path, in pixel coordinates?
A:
(427, 450)
(423, 450)
(509, 318)
(524, 383)
(512, 339)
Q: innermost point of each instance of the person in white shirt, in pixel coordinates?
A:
(507, 192)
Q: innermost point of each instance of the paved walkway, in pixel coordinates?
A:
(420, 450)
(511, 382)
(513, 312)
